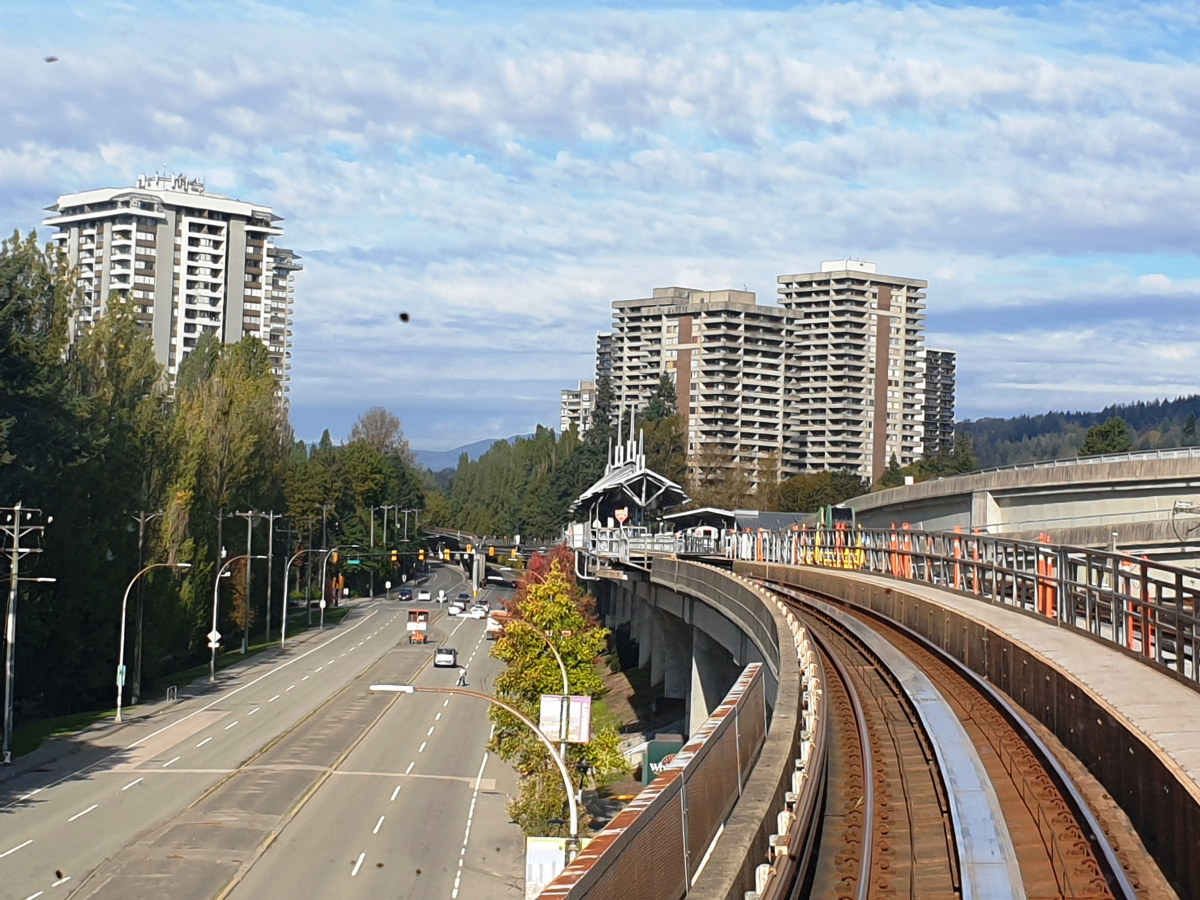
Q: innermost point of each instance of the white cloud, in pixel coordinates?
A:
(506, 177)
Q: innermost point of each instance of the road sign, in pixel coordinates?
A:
(566, 718)
(387, 585)
(120, 676)
(323, 603)
(213, 636)
(622, 514)
(354, 562)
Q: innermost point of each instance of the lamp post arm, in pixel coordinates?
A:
(124, 607)
(558, 760)
(557, 656)
(287, 570)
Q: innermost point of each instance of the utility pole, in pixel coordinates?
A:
(372, 548)
(17, 524)
(249, 517)
(142, 518)
(312, 525)
(271, 517)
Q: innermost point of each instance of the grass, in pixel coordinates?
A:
(28, 736)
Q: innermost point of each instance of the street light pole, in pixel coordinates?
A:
(271, 517)
(563, 711)
(142, 520)
(121, 646)
(286, 571)
(558, 760)
(212, 666)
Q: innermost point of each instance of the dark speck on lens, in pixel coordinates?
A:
(404, 317)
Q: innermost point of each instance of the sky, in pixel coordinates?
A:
(504, 171)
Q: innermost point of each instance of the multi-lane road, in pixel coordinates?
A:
(291, 780)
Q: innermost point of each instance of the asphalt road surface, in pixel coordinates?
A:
(290, 780)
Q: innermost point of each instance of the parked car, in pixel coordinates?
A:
(405, 594)
(423, 594)
(445, 657)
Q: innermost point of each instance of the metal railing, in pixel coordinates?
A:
(1130, 456)
(1143, 607)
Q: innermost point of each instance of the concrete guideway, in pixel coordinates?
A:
(1134, 726)
(72, 818)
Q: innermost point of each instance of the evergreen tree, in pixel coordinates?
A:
(1111, 436)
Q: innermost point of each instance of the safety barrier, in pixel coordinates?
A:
(1143, 607)
(717, 786)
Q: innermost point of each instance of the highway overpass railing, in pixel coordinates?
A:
(735, 813)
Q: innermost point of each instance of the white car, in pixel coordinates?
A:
(445, 657)
(423, 594)
(479, 612)
(456, 608)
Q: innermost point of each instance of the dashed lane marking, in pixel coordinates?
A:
(358, 865)
(170, 762)
(84, 813)
(378, 824)
(132, 783)
(273, 699)
(16, 848)
(395, 792)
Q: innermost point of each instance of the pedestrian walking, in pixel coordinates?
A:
(462, 677)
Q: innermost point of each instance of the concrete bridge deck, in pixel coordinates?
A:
(1134, 725)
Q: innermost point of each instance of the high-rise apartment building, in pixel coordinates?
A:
(575, 407)
(940, 366)
(192, 261)
(834, 377)
(856, 382)
(604, 352)
(726, 354)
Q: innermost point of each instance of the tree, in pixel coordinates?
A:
(809, 491)
(662, 402)
(382, 430)
(893, 476)
(549, 601)
(1108, 437)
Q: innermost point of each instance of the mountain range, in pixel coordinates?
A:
(437, 460)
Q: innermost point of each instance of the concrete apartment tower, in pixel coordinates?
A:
(575, 407)
(727, 355)
(191, 260)
(940, 369)
(856, 375)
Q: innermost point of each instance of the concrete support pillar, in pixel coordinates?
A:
(675, 637)
(713, 674)
(643, 630)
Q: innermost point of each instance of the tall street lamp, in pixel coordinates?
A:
(124, 606)
(558, 760)
(562, 744)
(214, 636)
(287, 571)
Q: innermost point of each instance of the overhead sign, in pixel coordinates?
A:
(566, 718)
(622, 514)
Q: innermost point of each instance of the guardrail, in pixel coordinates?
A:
(1130, 456)
(660, 845)
(1141, 607)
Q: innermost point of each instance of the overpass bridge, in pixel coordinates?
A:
(947, 714)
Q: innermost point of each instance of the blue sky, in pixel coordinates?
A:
(503, 172)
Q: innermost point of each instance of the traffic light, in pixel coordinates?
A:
(470, 548)
(334, 557)
(491, 551)
(446, 554)
(421, 554)
(395, 557)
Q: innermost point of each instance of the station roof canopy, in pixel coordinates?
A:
(627, 481)
(741, 519)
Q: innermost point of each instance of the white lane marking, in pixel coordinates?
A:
(341, 655)
(429, 733)
(470, 819)
(35, 896)
(330, 663)
(84, 813)
(358, 864)
(290, 686)
(437, 717)
(62, 880)
(377, 824)
(16, 848)
(447, 703)
(231, 724)
(175, 760)
(131, 784)
(305, 678)
(31, 793)
(360, 643)
(253, 711)
(352, 649)
(410, 767)
(461, 623)
(319, 668)
(273, 699)
(422, 747)
(395, 792)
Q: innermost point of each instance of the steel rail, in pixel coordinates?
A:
(1114, 871)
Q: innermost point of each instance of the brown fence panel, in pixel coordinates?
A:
(751, 726)
(710, 791)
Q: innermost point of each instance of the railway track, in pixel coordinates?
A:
(909, 792)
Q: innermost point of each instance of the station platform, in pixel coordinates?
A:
(1135, 727)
